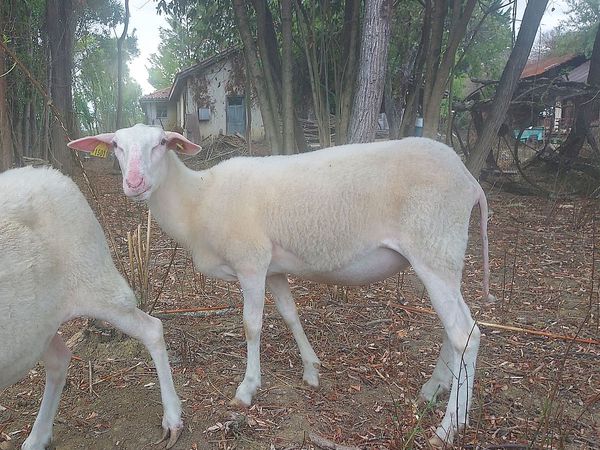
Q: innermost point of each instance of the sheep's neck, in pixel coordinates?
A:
(174, 202)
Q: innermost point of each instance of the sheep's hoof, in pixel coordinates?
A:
(172, 435)
(236, 402)
(311, 379)
(436, 442)
(429, 393)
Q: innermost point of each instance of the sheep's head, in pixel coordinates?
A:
(140, 150)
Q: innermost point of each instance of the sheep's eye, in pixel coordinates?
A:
(163, 141)
(113, 144)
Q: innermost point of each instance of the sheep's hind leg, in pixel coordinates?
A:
(149, 331)
(463, 337)
(280, 288)
(56, 362)
(441, 379)
(253, 288)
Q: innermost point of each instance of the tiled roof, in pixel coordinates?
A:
(161, 94)
(539, 67)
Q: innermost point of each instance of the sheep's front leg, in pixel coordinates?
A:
(56, 362)
(280, 288)
(253, 288)
(149, 330)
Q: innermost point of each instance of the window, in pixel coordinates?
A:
(161, 111)
(203, 114)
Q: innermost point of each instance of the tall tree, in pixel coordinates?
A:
(60, 25)
(440, 61)
(413, 98)
(330, 37)
(175, 52)
(372, 71)
(195, 31)
(120, 42)
(507, 85)
(95, 91)
(6, 144)
(345, 82)
(260, 73)
(404, 46)
(287, 102)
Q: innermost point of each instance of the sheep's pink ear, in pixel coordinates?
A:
(91, 143)
(177, 142)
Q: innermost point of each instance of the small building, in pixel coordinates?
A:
(157, 108)
(207, 99)
(554, 122)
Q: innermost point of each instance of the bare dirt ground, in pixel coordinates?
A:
(376, 347)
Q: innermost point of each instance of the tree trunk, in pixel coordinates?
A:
(26, 139)
(287, 102)
(432, 61)
(6, 144)
(439, 66)
(507, 85)
(315, 73)
(34, 130)
(372, 71)
(248, 103)
(346, 86)
(16, 121)
(586, 112)
(120, 42)
(270, 63)
(60, 23)
(391, 109)
(412, 102)
(269, 115)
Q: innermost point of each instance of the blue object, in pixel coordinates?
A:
(532, 133)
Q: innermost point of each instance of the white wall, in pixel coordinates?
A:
(150, 109)
(217, 77)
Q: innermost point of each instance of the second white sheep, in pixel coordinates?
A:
(54, 266)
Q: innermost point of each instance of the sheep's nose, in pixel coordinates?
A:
(134, 184)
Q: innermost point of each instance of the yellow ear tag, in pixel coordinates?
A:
(101, 150)
(179, 146)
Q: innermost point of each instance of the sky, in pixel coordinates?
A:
(146, 22)
(555, 13)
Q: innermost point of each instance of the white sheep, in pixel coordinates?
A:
(352, 215)
(55, 265)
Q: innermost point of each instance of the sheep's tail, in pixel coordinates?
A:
(483, 210)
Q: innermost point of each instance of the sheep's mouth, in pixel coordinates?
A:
(141, 196)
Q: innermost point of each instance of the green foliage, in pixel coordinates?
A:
(20, 22)
(196, 30)
(576, 35)
(95, 68)
(175, 52)
(405, 35)
(488, 43)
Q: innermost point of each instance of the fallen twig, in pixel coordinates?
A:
(498, 326)
(195, 312)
